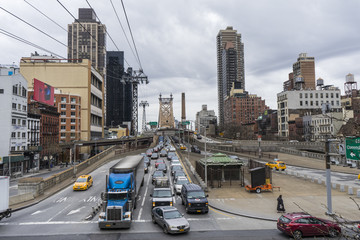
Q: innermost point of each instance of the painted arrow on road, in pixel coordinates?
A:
(75, 211)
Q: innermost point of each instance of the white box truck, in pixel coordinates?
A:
(5, 211)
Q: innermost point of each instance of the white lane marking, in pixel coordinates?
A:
(91, 199)
(143, 200)
(75, 211)
(62, 199)
(59, 212)
(37, 212)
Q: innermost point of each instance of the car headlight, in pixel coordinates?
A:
(171, 203)
(153, 204)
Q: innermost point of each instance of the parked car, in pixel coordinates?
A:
(84, 182)
(299, 224)
(278, 165)
(179, 182)
(194, 198)
(195, 149)
(170, 219)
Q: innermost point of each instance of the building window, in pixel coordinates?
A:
(19, 107)
(316, 95)
(63, 135)
(73, 100)
(13, 135)
(72, 113)
(327, 95)
(24, 108)
(63, 99)
(72, 135)
(332, 95)
(23, 93)
(12, 148)
(13, 121)
(306, 103)
(63, 113)
(19, 122)
(317, 103)
(63, 128)
(63, 120)
(300, 95)
(63, 106)
(14, 106)
(15, 90)
(1, 91)
(306, 95)
(311, 103)
(337, 95)
(321, 95)
(18, 135)
(72, 106)
(24, 122)
(73, 128)
(72, 121)
(300, 103)
(23, 135)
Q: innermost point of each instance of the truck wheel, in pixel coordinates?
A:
(258, 190)
(187, 209)
(153, 219)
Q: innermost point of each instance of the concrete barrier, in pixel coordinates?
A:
(319, 181)
(342, 188)
(358, 193)
(21, 198)
(350, 191)
(334, 185)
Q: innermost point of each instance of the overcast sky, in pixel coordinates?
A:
(176, 41)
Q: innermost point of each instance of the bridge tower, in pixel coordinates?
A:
(166, 115)
(144, 104)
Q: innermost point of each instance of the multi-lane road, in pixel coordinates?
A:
(63, 216)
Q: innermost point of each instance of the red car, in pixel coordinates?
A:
(158, 162)
(301, 224)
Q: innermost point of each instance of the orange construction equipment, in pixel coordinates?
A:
(258, 189)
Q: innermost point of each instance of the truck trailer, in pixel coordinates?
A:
(5, 211)
(121, 191)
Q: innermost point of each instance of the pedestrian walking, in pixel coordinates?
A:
(280, 204)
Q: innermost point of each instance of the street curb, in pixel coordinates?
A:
(245, 215)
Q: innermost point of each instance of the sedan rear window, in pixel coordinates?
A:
(284, 219)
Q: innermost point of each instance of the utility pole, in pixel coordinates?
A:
(143, 104)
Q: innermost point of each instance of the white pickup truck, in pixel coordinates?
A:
(5, 211)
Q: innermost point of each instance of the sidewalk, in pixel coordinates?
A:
(299, 195)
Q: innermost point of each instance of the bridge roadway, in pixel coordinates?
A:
(62, 215)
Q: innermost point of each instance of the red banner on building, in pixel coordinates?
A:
(43, 92)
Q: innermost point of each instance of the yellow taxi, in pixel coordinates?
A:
(182, 147)
(278, 165)
(83, 183)
(359, 176)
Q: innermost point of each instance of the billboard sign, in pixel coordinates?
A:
(43, 92)
(352, 146)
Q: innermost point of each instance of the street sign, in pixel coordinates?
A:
(352, 148)
(186, 123)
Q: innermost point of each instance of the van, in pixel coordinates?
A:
(194, 198)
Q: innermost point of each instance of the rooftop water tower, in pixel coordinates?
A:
(320, 83)
(350, 84)
(299, 82)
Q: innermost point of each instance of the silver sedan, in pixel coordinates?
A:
(170, 219)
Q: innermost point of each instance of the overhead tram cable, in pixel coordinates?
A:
(32, 26)
(107, 32)
(127, 39)
(127, 20)
(6, 33)
(45, 16)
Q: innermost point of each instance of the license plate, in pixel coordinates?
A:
(181, 230)
(198, 210)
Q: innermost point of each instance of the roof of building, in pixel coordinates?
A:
(221, 159)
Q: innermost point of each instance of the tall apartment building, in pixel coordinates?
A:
(77, 79)
(86, 39)
(13, 121)
(304, 72)
(118, 93)
(223, 37)
(242, 108)
(294, 104)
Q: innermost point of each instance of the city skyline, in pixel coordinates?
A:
(177, 44)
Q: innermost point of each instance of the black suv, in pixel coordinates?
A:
(194, 198)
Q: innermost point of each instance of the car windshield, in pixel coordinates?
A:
(158, 174)
(179, 173)
(282, 164)
(81, 180)
(182, 181)
(161, 166)
(284, 219)
(117, 196)
(162, 193)
(176, 167)
(172, 214)
(196, 194)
